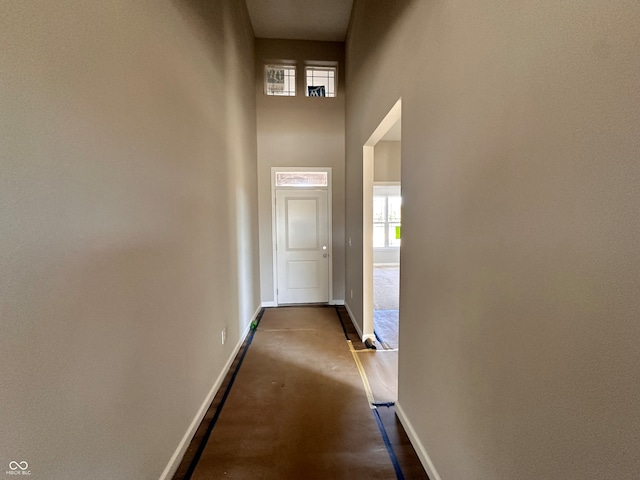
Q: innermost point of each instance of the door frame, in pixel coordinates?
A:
(274, 220)
(368, 149)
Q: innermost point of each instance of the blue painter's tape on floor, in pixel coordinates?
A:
(205, 439)
(387, 443)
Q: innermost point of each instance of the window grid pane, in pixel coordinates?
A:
(280, 80)
(378, 235)
(393, 241)
(394, 209)
(321, 81)
(379, 204)
(386, 218)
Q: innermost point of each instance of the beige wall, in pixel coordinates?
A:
(519, 352)
(129, 226)
(386, 163)
(299, 131)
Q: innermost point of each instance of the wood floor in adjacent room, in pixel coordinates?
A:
(294, 406)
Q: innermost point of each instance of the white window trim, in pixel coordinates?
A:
(321, 66)
(285, 65)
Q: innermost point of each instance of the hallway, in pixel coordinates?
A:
(137, 224)
(296, 406)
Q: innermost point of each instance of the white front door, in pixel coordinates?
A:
(302, 246)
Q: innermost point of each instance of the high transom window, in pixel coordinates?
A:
(280, 80)
(321, 81)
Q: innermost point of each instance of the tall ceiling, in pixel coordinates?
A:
(324, 20)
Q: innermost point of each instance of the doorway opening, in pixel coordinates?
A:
(381, 249)
(301, 221)
(387, 202)
(381, 221)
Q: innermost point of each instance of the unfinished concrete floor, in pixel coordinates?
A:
(297, 408)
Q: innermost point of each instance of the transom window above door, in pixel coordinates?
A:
(302, 179)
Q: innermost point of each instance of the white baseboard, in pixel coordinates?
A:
(417, 444)
(176, 458)
(358, 329)
(274, 304)
(351, 317)
(255, 315)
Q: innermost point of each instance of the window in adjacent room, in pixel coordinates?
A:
(386, 221)
(280, 80)
(320, 81)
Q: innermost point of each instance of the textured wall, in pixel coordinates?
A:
(299, 131)
(129, 226)
(386, 164)
(519, 350)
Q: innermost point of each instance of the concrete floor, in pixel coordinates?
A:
(297, 407)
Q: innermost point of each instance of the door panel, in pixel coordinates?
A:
(302, 246)
(302, 223)
(302, 274)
